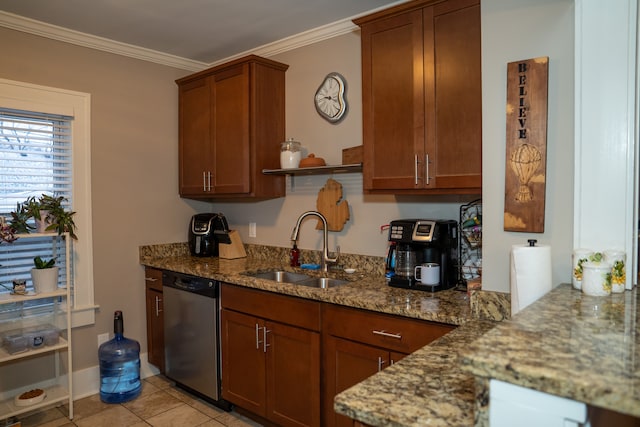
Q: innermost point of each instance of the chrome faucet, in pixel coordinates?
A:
(326, 259)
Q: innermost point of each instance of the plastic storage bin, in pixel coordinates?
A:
(18, 340)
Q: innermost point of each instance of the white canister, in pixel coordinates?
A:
(579, 257)
(617, 260)
(290, 154)
(596, 278)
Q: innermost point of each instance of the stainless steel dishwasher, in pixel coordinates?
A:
(191, 334)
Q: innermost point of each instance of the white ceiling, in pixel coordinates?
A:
(204, 31)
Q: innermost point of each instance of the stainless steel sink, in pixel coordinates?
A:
(281, 276)
(299, 279)
(322, 282)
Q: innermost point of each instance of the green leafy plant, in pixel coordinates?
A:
(42, 263)
(57, 218)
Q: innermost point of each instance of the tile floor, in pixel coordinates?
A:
(160, 404)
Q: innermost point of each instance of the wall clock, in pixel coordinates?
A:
(330, 98)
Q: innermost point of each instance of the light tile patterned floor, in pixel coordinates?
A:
(160, 405)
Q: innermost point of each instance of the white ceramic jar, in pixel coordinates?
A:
(596, 278)
(580, 256)
(616, 259)
(290, 154)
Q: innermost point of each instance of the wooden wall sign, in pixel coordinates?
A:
(526, 149)
(332, 206)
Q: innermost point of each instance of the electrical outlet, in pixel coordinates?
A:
(252, 229)
(103, 338)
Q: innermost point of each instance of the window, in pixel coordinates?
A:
(45, 148)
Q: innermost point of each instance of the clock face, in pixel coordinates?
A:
(330, 98)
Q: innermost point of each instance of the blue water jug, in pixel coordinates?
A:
(119, 366)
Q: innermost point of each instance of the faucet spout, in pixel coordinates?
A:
(326, 259)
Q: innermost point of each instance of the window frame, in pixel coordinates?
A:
(30, 97)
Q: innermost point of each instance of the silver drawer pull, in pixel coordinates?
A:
(150, 279)
(387, 334)
(158, 302)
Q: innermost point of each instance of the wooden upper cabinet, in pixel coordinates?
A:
(422, 112)
(231, 122)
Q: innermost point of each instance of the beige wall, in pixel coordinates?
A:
(134, 166)
(134, 159)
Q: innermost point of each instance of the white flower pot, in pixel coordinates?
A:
(43, 222)
(45, 279)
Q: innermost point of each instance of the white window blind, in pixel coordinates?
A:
(54, 110)
(35, 159)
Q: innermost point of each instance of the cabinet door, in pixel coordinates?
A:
(155, 318)
(155, 329)
(347, 363)
(230, 129)
(194, 136)
(243, 361)
(393, 102)
(293, 375)
(456, 137)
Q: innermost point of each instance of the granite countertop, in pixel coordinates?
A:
(364, 291)
(568, 344)
(425, 388)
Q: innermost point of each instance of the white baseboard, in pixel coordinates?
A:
(86, 382)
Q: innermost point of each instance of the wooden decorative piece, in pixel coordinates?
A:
(330, 205)
(526, 149)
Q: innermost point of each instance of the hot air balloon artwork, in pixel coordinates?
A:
(525, 162)
(526, 145)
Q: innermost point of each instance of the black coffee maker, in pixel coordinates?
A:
(420, 241)
(206, 231)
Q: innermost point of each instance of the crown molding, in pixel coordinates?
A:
(39, 28)
(298, 40)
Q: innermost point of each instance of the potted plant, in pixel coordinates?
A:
(48, 214)
(44, 275)
(7, 232)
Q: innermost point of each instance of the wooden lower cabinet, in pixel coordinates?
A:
(348, 363)
(358, 343)
(155, 317)
(270, 357)
(285, 358)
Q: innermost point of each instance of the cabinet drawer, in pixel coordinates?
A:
(280, 308)
(382, 330)
(153, 278)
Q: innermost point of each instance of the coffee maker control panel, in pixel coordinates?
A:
(409, 231)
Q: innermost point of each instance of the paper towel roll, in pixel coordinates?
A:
(530, 274)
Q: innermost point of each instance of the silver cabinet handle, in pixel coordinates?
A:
(151, 279)
(158, 301)
(209, 181)
(415, 168)
(204, 181)
(258, 342)
(265, 331)
(387, 334)
(427, 177)
(381, 362)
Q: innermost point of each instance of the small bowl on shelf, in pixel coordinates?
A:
(312, 161)
(30, 397)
